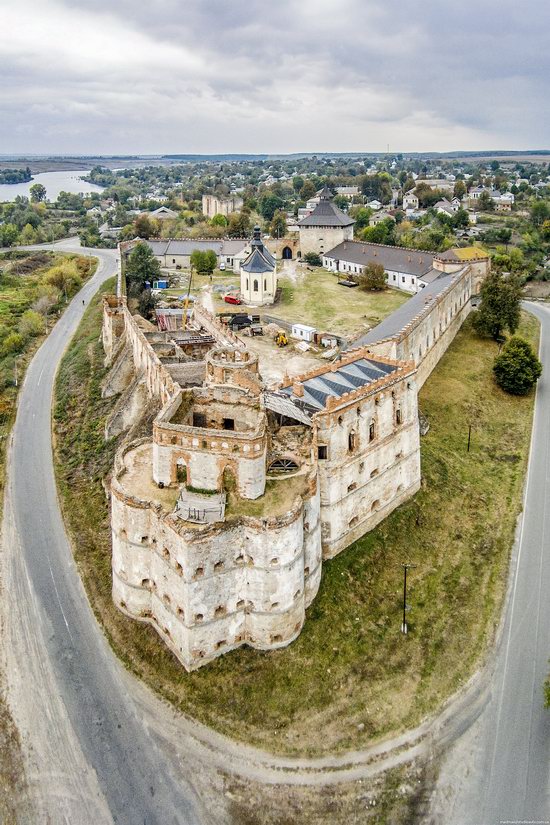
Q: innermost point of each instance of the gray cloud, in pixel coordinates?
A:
(116, 76)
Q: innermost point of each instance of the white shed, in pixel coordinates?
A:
(303, 332)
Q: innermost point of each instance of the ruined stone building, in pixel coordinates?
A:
(223, 514)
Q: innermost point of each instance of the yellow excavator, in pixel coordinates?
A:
(281, 338)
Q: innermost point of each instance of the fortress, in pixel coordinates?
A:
(222, 515)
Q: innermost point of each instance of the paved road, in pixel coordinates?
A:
(86, 733)
(500, 771)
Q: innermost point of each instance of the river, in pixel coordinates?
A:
(55, 182)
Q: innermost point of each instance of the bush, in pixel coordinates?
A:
(31, 324)
(12, 343)
(313, 259)
(517, 368)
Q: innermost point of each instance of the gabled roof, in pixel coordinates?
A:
(393, 258)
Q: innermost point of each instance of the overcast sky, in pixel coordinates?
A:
(120, 76)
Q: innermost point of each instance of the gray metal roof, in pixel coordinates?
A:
(404, 314)
(334, 383)
(326, 214)
(393, 258)
(281, 404)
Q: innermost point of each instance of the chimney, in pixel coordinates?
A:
(298, 390)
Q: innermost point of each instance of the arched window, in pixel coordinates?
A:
(255, 285)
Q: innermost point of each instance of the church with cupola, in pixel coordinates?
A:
(258, 274)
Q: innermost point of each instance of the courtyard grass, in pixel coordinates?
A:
(351, 677)
(316, 299)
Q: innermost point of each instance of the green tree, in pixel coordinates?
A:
(27, 235)
(313, 259)
(308, 190)
(545, 230)
(377, 187)
(219, 220)
(9, 234)
(142, 266)
(64, 277)
(147, 227)
(459, 189)
(373, 277)
(239, 224)
(517, 368)
(12, 343)
(362, 215)
(37, 193)
(268, 204)
(341, 201)
(278, 224)
(485, 202)
(540, 212)
(500, 305)
(297, 182)
(146, 305)
(204, 261)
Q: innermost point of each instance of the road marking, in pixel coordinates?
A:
(59, 602)
(40, 377)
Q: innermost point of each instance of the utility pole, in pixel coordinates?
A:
(469, 437)
(405, 606)
(15, 375)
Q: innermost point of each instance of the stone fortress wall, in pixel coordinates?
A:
(209, 545)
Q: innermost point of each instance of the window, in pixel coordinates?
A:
(199, 617)
(255, 285)
(199, 419)
(282, 465)
(352, 442)
(322, 451)
(374, 472)
(403, 279)
(372, 431)
(229, 424)
(265, 284)
(352, 487)
(398, 416)
(199, 572)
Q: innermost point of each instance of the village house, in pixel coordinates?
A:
(406, 269)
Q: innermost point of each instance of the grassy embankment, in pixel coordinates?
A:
(351, 677)
(24, 280)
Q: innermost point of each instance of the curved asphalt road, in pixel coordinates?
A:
(501, 769)
(134, 781)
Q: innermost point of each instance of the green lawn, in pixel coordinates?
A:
(317, 299)
(350, 666)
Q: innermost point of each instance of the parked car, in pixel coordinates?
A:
(232, 299)
(222, 266)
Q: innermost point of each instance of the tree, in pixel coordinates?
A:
(8, 234)
(373, 277)
(377, 187)
(297, 182)
(146, 304)
(204, 261)
(545, 230)
(219, 220)
(37, 193)
(459, 189)
(27, 235)
(278, 224)
(485, 202)
(308, 190)
(313, 259)
(147, 227)
(517, 368)
(64, 277)
(239, 224)
(268, 204)
(539, 212)
(31, 324)
(500, 305)
(142, 266)
(341, 201)
(362, 215)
